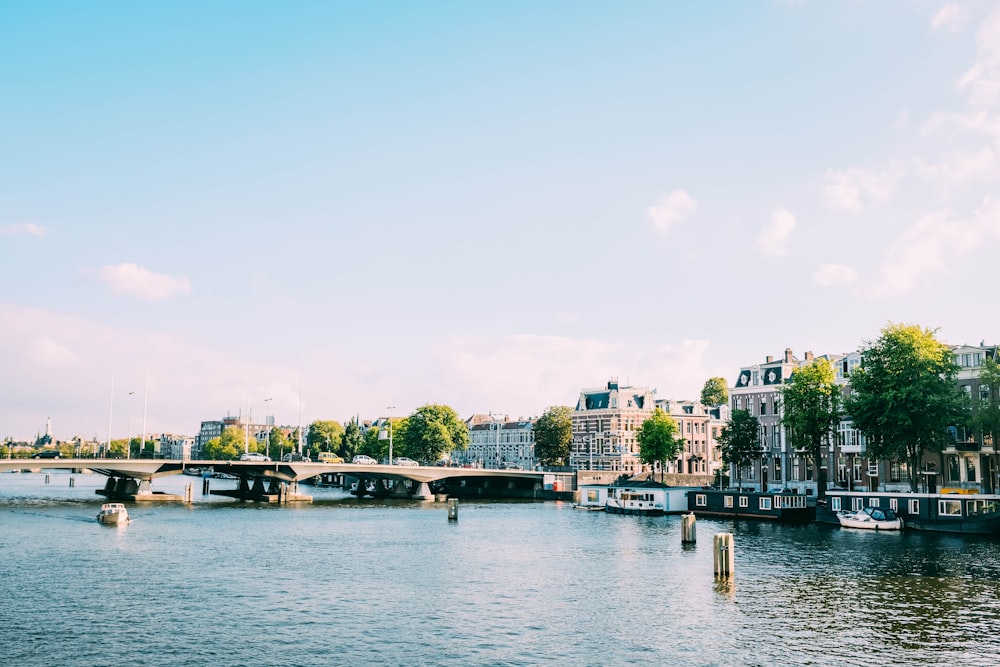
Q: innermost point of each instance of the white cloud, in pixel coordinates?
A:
(951, 17)
(670, 209)
(982, 81)
(773, 240)
(51, 354)
(901, 120)
(957, 169)
(844, 190)
(935, 243)
(29, 228)
(137, 281)
(828, 275)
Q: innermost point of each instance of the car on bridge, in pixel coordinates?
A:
(46, 454)
(254, 456)
(403, 461)
(363, 460)
(293, 457)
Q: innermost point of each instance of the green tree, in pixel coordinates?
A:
(323, 436)
(813, 403)
(433, 431)
(715, 392)
(553, 435)
(351, 441)
(904, 395)
(739, 443)
(658, 440)
(226, 447)
(278, 443)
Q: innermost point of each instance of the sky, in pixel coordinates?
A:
(319, 210)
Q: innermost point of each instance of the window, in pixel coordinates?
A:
(835, 503)
(744, 501)
(699, 500)
(894, 472)
(763, 405)
(970, 469)
(727, 501)
(857, 504)
(765, 503)
(873, 502)
(949, 508)
(953, 473)
(591, 495)
(914, 507)
(894, 504)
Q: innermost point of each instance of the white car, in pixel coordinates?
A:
(363, 460)
(403, 461)
(254, 456)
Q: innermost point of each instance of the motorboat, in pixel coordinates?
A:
(112, 514)
(872, 518)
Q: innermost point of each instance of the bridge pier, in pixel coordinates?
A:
(275, 491)
(423, 492)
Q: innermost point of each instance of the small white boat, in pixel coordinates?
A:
(112, 514)
(872, 518)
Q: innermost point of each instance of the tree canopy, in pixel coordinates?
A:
(813, 403)
(904, 396)
(553, 435)
(715, 391)
(658, 439)
(431, 432)
(351, 441)
(324, 435)
(987, 418)
(226, 447)
(739, 442)
(278, 443)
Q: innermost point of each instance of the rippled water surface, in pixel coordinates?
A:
(343, 581)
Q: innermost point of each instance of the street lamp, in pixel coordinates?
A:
(128, 443)
(390, 409)
(268, 426)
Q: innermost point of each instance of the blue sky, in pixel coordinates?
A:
(351, 206)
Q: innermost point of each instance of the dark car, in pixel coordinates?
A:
(46, 454)
(293, 457)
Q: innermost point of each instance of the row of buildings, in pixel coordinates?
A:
(606, 419)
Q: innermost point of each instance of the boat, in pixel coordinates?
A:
(781, 506)
(112, 514)
(967, 513)
(589, 508)
(870, 518)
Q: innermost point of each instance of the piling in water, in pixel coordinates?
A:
(688, 532)
(453, 509)
(72, 482)
(723, 554)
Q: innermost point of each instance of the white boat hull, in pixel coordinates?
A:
(112, 514)
(861, 520)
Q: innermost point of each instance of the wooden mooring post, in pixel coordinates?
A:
(688, 531)
(453, 509)
(724, 554)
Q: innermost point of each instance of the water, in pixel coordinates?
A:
(344, 581)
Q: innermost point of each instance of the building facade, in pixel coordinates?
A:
(699, 425)
(498, 442)
(605, 422)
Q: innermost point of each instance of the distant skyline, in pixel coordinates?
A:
(342, 207)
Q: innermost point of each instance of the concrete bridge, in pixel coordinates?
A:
(277, 481)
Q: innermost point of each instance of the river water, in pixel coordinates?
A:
(344, 581)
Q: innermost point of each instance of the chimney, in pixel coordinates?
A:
(769, 359)
(809, 356)
(788, 355)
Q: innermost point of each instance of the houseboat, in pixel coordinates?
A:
(972, 513)
(781, 506)
(633, 497)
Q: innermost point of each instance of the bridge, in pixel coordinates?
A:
(277, 481)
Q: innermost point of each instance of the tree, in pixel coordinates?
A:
(226, 447)
(904, 395)
(324, 435)
(739, 442)
(553, 435)
(812, 402)
(433, 431)
(278, 443)
(715, 392)
(658, 440)
(351, 441)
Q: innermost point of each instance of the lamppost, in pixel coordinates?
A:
(390, 409)
(128, 443)
(268, 427)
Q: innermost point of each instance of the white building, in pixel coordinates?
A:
(498, 442)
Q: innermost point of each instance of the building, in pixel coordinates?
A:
(214, 429)
(175, 447)
(700, 426)
(605, 422)
(498, 442)
(969, 461)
